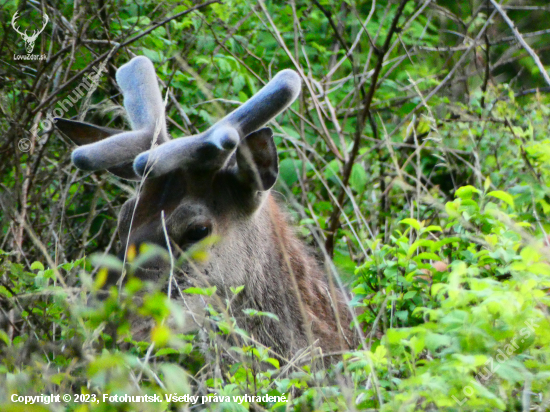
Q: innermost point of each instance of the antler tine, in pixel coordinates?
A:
(13, 21)
(36, 33)
(46, 19)
(211, 149)
(265, 105)
(145, 108)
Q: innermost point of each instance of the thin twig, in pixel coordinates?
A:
(334, 218)
(54, 96)
(520, 38)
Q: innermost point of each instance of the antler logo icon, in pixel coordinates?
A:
(29, 40)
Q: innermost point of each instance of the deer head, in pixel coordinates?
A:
(29, 40)
(216, 183)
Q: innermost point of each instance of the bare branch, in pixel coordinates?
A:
(520, 38)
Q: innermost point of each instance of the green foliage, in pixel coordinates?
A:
(470, 333)
(473, 333)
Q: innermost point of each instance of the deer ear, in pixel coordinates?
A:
(82, 133)
(257, 160)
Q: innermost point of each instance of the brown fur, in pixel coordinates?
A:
(256, 249)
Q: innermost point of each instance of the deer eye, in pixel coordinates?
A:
(197, 232)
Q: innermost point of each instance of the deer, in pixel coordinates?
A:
(217, 184)
(29, 40)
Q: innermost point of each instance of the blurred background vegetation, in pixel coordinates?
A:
(403, 103)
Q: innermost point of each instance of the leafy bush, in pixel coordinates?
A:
(476, 330)
(465, 324)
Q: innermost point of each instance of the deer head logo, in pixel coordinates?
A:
(29, 40)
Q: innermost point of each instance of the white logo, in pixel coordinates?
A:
(29, 40)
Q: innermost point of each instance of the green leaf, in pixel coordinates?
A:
(466, 192)
(254, 312)
(487, 183)
(288, 170)
(200, 291)
(410, 294)
(426, 255)
(529, 254)
(5, 338)
(445, 241)
(412, 222)
(451, 209)
(345, 264)
(166, 351)
(433, 228)
(236, 290)
(539, 268)
(332, 169)
(108, 261)
(58, 378)
(419, 243)
(436, 340)
(358, 178)
(505, 197)
(273, 362)
(395, 336)
(160, 335)
(37, 266)
(175, 378)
